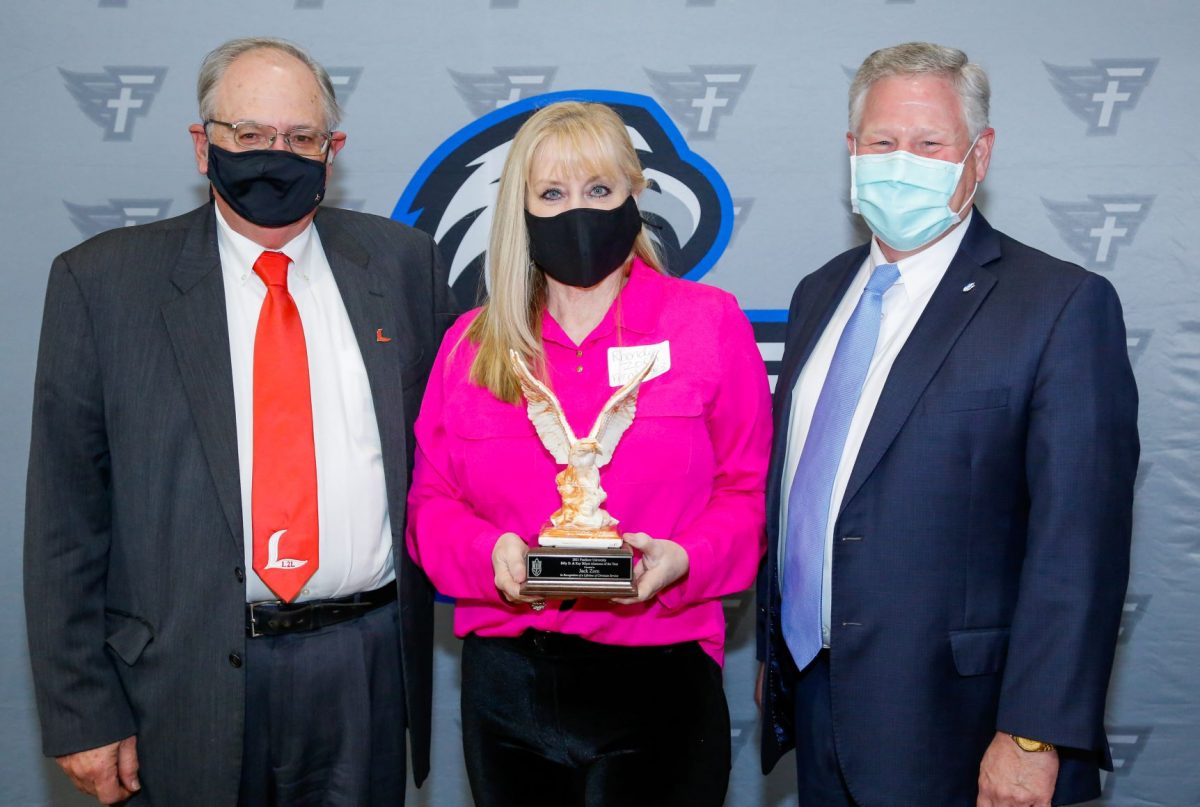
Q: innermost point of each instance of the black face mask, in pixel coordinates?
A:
(270, 188)
(583, 246)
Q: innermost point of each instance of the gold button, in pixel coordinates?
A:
(578, 352)
(579, 369)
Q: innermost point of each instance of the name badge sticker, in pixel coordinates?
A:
(626, 362)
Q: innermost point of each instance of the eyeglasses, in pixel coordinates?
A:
(255, 136)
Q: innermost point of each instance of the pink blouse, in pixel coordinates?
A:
(691, 467)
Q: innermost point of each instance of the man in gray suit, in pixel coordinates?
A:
(220, 606)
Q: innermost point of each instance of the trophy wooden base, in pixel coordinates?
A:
(565, 573)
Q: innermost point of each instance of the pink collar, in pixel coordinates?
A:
(637, 305)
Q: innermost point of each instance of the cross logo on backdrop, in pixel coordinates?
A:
(736, 606)
(1126, 744)
(345, 81)
(1100, 93)
(94, 219)
(701, 97)
(1098, 228)
(485, 92)
(1131, 614)
(1136, 341)
(742, 733)
(741, 212)
(115, 98)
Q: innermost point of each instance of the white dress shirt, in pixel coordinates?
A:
(903, 305)
(352, 513)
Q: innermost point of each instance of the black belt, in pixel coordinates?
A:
(275, 618)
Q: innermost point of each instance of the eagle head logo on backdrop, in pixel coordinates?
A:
(452, 195)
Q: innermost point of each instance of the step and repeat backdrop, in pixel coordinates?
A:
(739, 112)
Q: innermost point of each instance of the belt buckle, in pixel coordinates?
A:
(254, 632)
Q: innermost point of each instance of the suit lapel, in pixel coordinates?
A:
(373, 318)
(812, 319)
(199, 332)
(940, 325)
(804, 330)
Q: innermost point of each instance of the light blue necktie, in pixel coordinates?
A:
(812, 487)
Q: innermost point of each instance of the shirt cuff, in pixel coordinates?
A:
(690, 587)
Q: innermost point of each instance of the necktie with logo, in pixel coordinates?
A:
(812, 487)
(284, 485)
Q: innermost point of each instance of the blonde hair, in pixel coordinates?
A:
(590, 138)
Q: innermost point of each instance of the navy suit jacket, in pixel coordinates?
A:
(982, 547)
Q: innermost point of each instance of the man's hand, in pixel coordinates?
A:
(508, 563)
(1009, 777)
(109, 772)
(662, 563)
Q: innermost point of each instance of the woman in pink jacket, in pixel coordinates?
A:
(591, 701)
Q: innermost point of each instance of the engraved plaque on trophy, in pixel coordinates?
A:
(580, 553)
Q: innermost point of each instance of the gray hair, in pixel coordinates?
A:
(913, 58)
(213, 68)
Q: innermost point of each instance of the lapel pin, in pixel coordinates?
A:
(379, 337)
(969, 286)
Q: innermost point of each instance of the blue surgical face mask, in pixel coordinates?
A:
(905, 198)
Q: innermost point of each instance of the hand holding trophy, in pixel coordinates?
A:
(580, 553)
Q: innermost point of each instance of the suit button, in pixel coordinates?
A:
(235, 660)
(239, 574)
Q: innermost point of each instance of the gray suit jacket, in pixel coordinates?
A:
(134, 578)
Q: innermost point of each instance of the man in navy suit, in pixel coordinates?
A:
(950, 494)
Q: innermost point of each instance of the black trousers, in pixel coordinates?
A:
(325, 716)
(557, 720)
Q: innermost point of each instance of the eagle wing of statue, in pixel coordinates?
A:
(545, 412)
(617, 415)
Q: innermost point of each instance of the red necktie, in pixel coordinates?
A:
(284, 488)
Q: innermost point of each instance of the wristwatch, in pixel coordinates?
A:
(1026, 744)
